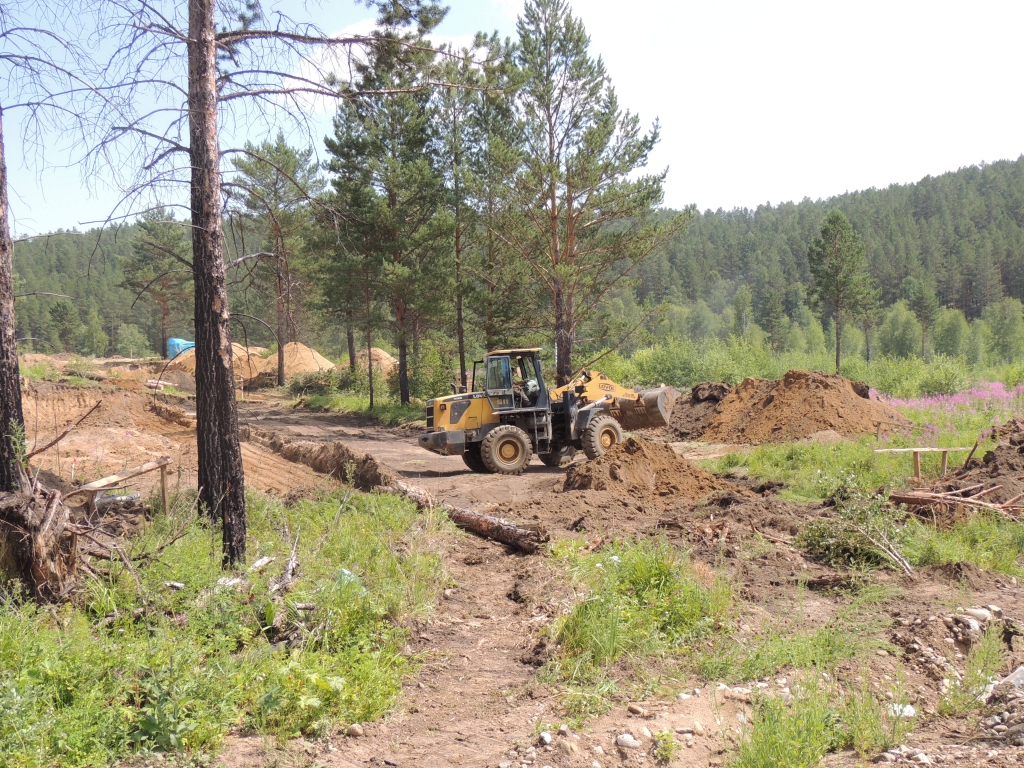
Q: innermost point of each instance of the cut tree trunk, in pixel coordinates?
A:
(221, 481)
(12, 421)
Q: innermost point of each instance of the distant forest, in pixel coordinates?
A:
(741, 272)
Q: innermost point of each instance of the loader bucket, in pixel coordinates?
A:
(653, 408)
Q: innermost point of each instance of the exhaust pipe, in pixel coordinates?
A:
(650, 408)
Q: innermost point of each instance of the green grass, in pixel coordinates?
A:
(96, 681)
(989, 542)
(847, 635)
(385, 411)
(641, 599)
(819, 719)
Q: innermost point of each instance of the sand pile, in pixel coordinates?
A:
(796, 406)
(382, 361)
(245, 365)
(298, 359)
(641, 467)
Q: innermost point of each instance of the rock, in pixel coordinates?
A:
(626, 741)
(636, 709)
(698, 728)
(921, 759)
(564, 732)
(684, 730)
(1015, 678)
(505, 764)
(683, 696)
(569, 746)
(996, 611)
(598, 750)
(545, 738)
(646, 732)
(885, 757)
(981, 614)
(355, 730)
(688, 739)
(902, 710)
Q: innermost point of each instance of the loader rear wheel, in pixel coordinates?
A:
(473, 459)
(600, 436)
(558, 457)
(506, 450)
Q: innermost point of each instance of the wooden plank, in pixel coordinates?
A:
(917, 450)
(917, 464)
(106, 482)
(167, 506)
(945, 463)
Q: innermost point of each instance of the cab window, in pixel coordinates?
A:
(499, 373)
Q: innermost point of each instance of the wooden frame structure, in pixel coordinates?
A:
(96, 487)
(917, 456)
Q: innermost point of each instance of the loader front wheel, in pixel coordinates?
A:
(600, 436)
(473, 459)
(506, 450)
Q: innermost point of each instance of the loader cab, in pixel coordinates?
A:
(511, 380)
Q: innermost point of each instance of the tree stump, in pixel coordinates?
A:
(38, 546)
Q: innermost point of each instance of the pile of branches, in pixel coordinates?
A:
(957, 503)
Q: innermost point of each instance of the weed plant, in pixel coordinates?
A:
(984, 662)
(149, 666)
(819, 719)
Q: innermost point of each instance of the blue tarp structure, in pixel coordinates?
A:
(176, 346)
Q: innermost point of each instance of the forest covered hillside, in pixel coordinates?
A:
(730, 273)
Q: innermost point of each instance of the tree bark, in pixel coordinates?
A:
(281, 330)
(403, 367)
(12, 421)
(563, 338)
(221, 479)
(839, 337)
(350, 335)
(164, 312)
(460, 330)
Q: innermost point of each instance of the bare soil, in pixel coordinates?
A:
(796, 406)
(478, 695)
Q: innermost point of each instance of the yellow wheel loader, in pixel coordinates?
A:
(509, 415)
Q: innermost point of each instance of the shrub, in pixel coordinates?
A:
(945, 376)
(862, 532)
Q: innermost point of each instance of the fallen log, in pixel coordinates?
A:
(525, 539)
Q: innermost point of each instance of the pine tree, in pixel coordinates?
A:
(841, 284)
(582, 217)
(926, 306)
(158, 268)
(389, 194)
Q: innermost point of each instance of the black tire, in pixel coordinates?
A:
(600, 436)
(506, 450)
(472, 459)
(558, 457)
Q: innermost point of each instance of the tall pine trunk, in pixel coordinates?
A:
(460, 329)
(839, 339)
(221, 479)
(281, 330)
(563, 337)
(350, 337)
(12, 421)
(164, 312)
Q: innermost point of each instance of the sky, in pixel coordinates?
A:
(758, 102)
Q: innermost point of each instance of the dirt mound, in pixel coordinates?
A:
(298, 359)
(1003, 466)
(796, 406)
(641, 467)
(382, 361)
(335, 459)
(691, 415)
(245, 365)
